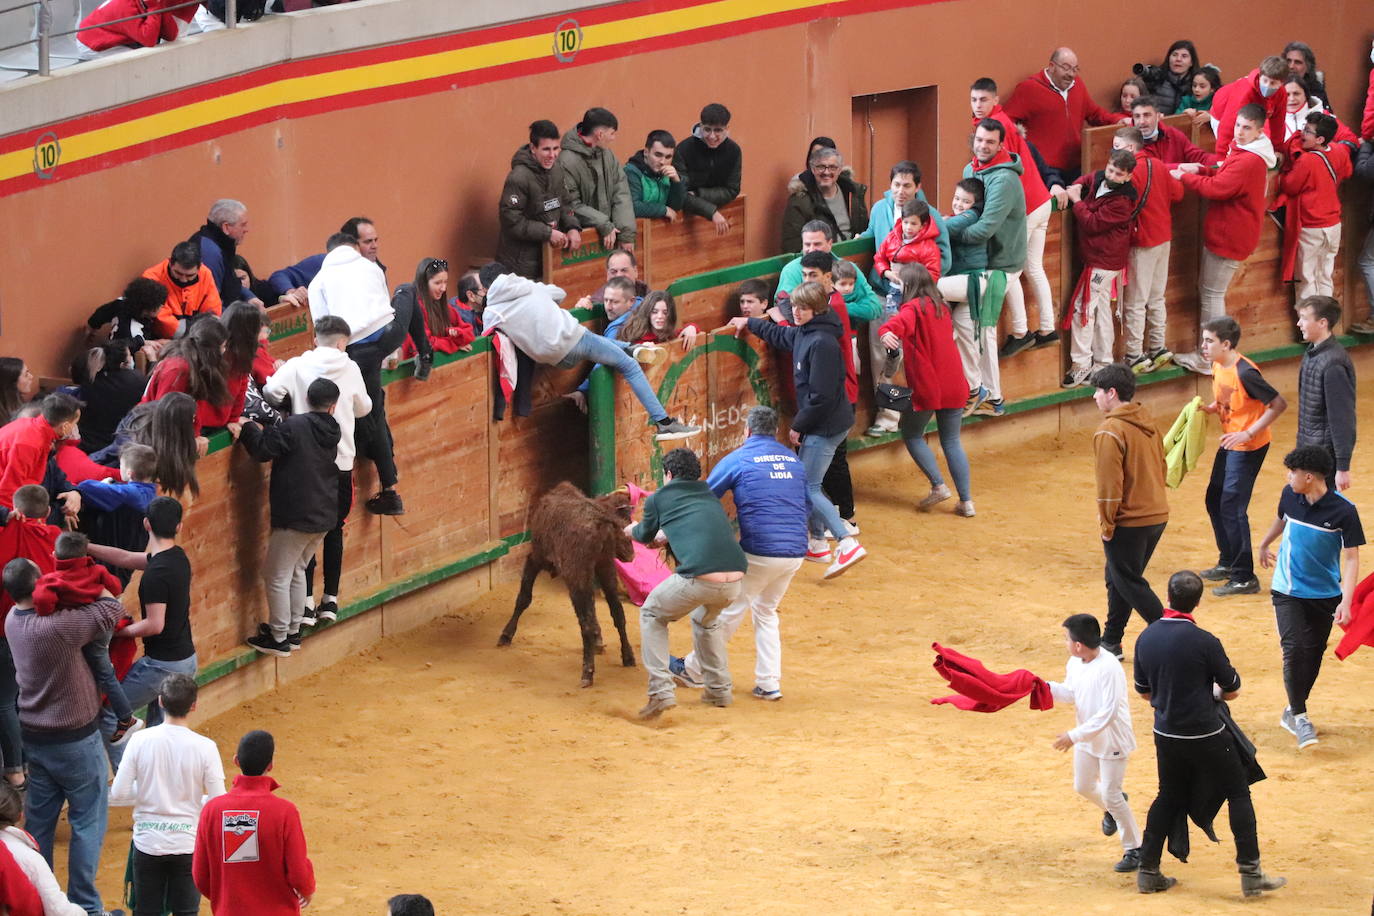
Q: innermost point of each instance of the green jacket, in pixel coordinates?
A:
(597, 189)
(966, 255)
(1002, 224)
(652, 194)
(698, 530)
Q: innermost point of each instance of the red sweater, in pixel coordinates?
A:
(1308, 184)
(73, 583)
(250, 852)
(1031, 182)
(30, 539)
(1232, 97)
(1054, 124)
(459, 335)
(1154, 224)
(24, 448)
(174, 374)
(154, 25)
(1231, 228)
(78, 466)
(1171, 146)
(930, 357)
(922, 249)
(1367, 121)
(848, 346)
(1104, 223)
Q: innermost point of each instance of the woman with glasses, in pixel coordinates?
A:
(427, 295)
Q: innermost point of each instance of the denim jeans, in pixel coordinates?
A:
(1366, 265)
(816, 453)
(141, 686)
(616, 354)
(75, 774)
(1228, 506)
(947, 421)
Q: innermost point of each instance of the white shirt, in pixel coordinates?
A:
(167, 774)
(31, 862)
(1097, 690)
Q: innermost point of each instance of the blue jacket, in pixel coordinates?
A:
(108, 497)
(212, 255)
(880, 222)
(769, 485)
(823, 407)
(298, 274)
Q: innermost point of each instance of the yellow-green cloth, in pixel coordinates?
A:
(1184, 442)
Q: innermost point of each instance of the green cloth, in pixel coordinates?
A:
(698, 531)
(986, 292)
(652, 194)
(1184, 442)
(1189, 102)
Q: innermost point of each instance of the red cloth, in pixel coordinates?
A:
(24, 448)
(1308, 185)
(78, 466)
(31, 539)
(261, 881)
(123, 652)
(1231, 228)
(174, 374)
(1031, 182)
(922, 249)
(1361, 629)
(1171, 147)
(73, 583)
(18, 897)
(1170, 612)
(1154, 224)
(145, 32)
(1104, 223)
(1053, 124)
(981, 690)
(1367, 121)
(459, 335)
(263, 363)
(848, 346)
(1232, 97)
(930, 357)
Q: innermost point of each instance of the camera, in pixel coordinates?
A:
(1151, 75)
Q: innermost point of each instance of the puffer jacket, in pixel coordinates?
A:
(597, 190)
(805, 203)
(1326, 400)
(534, 202)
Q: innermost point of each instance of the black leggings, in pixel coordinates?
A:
(333, 543)
(837, 484)
(1304, 630)
(372, 433)
(164, 884)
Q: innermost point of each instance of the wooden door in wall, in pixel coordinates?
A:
(889, 127)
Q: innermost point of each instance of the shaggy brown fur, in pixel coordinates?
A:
(577, 538)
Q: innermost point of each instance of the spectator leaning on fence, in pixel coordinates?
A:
(535, 209)
(597, 189)
(710, 164)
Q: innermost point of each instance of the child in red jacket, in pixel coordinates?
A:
(1147, 273)
(911, 241)
(1310, 181)
(127, 24)
(1104, 205)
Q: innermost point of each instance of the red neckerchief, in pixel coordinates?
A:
(1170, 612)
(1002, 156)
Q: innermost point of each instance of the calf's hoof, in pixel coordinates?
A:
(586, 680)
(628, 659)
(503, 641)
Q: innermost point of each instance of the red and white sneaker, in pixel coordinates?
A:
(847, 554)
(818, 550)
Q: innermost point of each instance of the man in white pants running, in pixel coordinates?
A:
(769, 486)
(1102, 741)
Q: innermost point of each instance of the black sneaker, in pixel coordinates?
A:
(424, 365)
(1129, 862)
(294, 641)
(387, 502)
(1109, 823)
(265, 644)
(1248, 587)
(1045, 339)
(1217, 573)
(668, 429)
(328, 610)
(1115, 649)
(1014, 345)
(308, 617)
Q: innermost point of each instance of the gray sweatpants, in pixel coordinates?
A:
(672, 599)
(283, 573)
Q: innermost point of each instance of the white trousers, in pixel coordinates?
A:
(1100, 781)
(1317, 260)
(761, 592)
(1146, 282)
(1091, 346)
(1037, 224)
(979, 368)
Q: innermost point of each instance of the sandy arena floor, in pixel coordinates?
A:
(486, 779)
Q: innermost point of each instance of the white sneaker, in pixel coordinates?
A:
(649, 354)
(818, 550)
(847, 554)
(1193, 362)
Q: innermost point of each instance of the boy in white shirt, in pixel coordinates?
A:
(167, 776)
(1102, 741)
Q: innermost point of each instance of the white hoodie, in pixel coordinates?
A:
(295, 376)
(1264, 148)
(354, 288)
(39, 873)
(528, 313)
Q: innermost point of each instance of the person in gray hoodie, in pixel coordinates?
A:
(597, 187)
(527, 313)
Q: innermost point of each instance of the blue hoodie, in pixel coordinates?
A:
(769, 486)
(880, 222)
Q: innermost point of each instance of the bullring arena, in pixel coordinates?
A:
(426, 759)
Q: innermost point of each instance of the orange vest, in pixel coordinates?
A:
(1237, 410)
(183, 301)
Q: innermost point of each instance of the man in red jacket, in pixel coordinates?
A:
(1231, 228)
(1147, 274)
(1164, 143)
(1262, 86)
(1104, 208)
(985, 103)
(1310, 181)
(1054, 105)
(250, 849)
(26, 443)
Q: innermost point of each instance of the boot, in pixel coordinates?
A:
(1150, 881)
(1253, 881)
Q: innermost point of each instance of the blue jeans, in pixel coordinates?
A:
(74, 774)
(1228, 506)
(141, 686)
(947, 422)
(816, 453)
(616, 354)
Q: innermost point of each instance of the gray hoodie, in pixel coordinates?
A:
(597, 188)
(528, 313)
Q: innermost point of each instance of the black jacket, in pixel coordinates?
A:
(534, 202)
(823, 408)
(1364, 168)
(1326, 400)
(108, 399)
(712, 175)
(305, 479)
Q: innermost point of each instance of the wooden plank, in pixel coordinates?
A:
(691, 246)
(290, 330)
(583, 271)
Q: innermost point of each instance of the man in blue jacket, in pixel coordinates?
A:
(824, 414)
(769, 486)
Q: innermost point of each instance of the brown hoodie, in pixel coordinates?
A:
(1130, 470)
